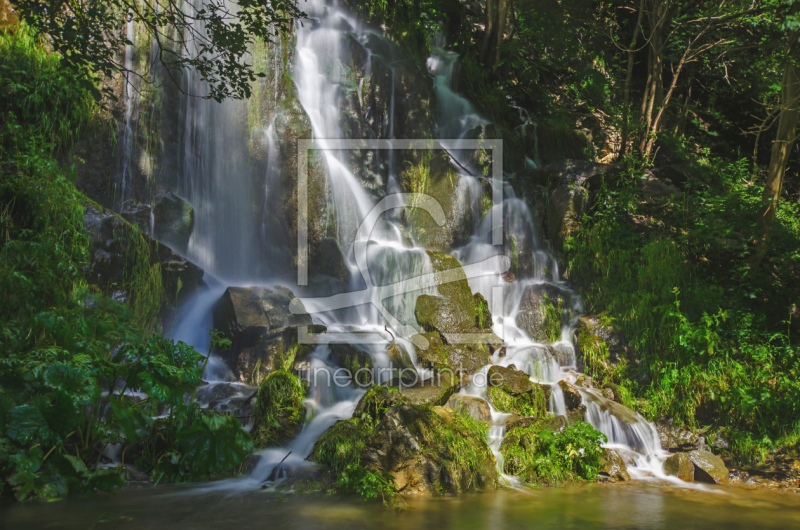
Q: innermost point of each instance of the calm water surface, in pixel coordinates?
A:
(583, 506)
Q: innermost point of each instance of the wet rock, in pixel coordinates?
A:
(401, 362)
(483, 317)
(229, 398)
(680, 465)
(349, 357)
(612, 466)
(173, 220)
(458, 359)
(411, 444)
(577, 414)
(243, 310)
(512, 381)
(140, 216)
(114, 254)
(329, 260)
(430, 392)
(554, 423)
(279, 410)
(572, 397)
(600, 345)
(675, 438)
(253, 356)
(708, 467)
(539, 315)
(477, 408)
(437, 178)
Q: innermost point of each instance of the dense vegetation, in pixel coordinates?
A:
(79, 371)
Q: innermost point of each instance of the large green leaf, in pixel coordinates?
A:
(24, 423)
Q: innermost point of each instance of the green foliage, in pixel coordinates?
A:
(529, 404)
(539, 456)
(279, 410)
(71, 361)
(367, 483)
(89, 36)
(711, 331)
(551, 321)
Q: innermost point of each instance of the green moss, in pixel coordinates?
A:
(143, 280)
(528, 404)
(377, 401)
(279, 410)
(341, 445)
(551, 321)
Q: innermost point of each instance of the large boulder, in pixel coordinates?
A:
(279, 410)
(708, 467)
(351, 358)
(246, 310)
(531, 403)
(458, 358)
(675, 438)
(679, 465)
(377, 401)
(329, 260)
(401, 363)
(414, 445)
(539, 313)
(173, 221)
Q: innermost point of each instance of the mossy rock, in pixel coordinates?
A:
(555, 424)
(476, 408)
(255, 356)
(431, 450)
(531, 403)
(377, 401)
(612, 466)
(539, 313)
(279, 411)
(510, 380)
(173, 221)
(483, 317)
(401, 363)
(341, 445)
(456, 359)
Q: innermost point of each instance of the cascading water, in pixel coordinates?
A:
(226, 236)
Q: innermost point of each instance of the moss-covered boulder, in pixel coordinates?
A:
(435, 391)
(531, 403)
(402, 364)
(540, 312)
(341, 445)
(509, 379)
(572, 397)
(279, 412)
(431, 450)
(377, 401)
(173, 221)
(601, 348)
(612, 466)
(243, 310)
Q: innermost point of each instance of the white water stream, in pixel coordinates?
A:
(225, 240)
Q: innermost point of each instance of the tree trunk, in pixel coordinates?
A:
(502, 18)
(781, 150)
(627, 94)
(491, 7)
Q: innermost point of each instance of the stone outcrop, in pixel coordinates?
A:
(697, 466)
(476, 408)
(119, 252)
(173, 220)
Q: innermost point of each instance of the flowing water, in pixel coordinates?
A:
(230, 241)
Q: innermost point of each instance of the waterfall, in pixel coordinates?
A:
(230, 236)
